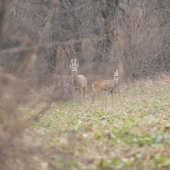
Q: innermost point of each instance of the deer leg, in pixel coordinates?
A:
(96, 93)
(80, 92)
(93, 96)
(75, 95)
(109, 96)
(84, 93)
(112, 95)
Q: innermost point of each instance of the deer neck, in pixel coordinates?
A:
(74, 78)
(116, 82)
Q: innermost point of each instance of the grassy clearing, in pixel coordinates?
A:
(132, 132)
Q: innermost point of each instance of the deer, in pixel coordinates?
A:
(105, 85)
(79, 82)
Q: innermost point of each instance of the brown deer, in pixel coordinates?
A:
(79, 82)
(106, 85)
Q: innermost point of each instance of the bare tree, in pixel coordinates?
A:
(130, 34)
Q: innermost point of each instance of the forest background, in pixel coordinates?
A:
(39, 38)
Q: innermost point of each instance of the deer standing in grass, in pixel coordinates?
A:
(106, 85)
(79, 82)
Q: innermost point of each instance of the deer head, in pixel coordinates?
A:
(74, 66)
(115, 74)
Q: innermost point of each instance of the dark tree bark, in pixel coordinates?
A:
(103, 47)
(2, 13)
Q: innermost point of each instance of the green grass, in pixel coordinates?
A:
(131, 132)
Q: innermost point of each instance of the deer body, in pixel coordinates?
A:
(105, 85)
(79, 82)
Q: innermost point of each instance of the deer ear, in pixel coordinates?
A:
(71, 61)
(70, 66)
(77, 65)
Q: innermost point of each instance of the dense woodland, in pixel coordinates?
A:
(39, 38)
